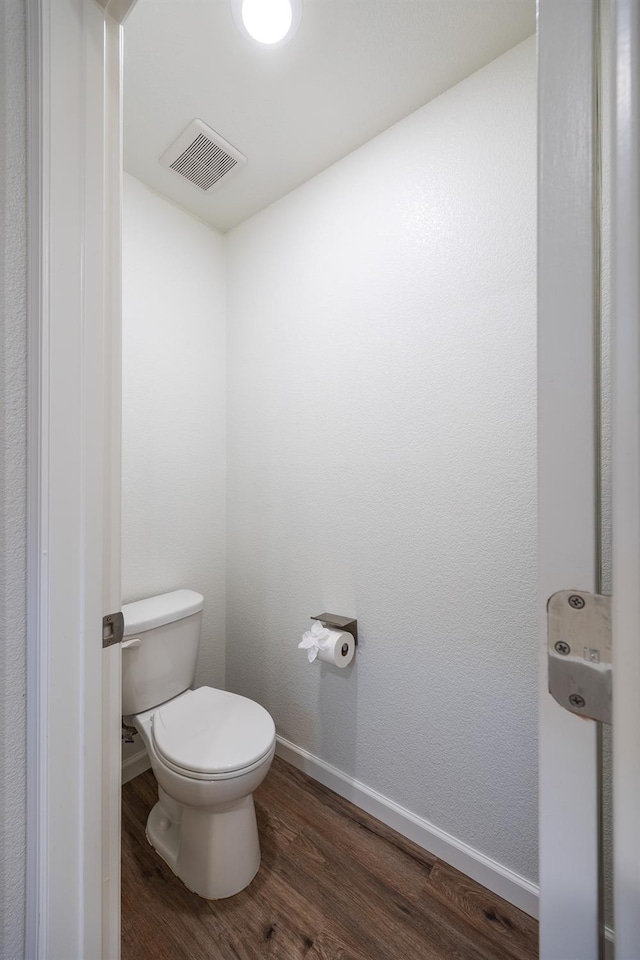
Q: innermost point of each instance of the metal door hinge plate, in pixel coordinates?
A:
(112, 629)
(579, 653)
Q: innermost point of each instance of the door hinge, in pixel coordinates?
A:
(112, 629)
(579, 653)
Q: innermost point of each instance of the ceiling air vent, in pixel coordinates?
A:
(202, 156)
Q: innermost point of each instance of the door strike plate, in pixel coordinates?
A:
(112, 629)
(579, 653)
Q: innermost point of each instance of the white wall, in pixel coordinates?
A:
(174, 411)
(12, 475)
(381, 451)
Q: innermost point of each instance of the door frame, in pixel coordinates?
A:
(75, 190)
(568, 458)
(74, 309)
(626, 473)
(570, 760)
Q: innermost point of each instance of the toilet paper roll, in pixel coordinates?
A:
(339, 650)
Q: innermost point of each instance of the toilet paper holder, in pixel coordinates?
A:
(334, 622)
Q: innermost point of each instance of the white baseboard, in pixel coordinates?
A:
(135, 765)
(489, 873)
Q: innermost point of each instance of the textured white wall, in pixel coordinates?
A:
(174, 411)
(382, 459)
(13, 403)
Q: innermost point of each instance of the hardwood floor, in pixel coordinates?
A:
(334, 884)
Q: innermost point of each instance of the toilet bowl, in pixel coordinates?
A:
(209, 749)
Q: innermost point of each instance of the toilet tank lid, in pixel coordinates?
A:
(156, 611)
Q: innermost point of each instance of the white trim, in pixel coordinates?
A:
(567, 460)
(502, 881)
(36, 920)
(134, 765)
(70, 318)
(626, 475)
(112, 170)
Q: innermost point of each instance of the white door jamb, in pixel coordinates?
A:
(74, 171)
(567, 312)
(626, 475)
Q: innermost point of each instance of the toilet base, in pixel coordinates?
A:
(214, 851)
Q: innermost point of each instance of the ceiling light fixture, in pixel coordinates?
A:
(269, 22)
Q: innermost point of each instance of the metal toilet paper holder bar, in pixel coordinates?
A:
(334, 622)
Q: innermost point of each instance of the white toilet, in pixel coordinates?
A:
(209, 749)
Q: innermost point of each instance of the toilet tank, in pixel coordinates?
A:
(163, 663)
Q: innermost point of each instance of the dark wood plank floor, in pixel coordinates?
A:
(334, 884)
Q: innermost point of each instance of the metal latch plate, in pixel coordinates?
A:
(112, 629)
(579, 653)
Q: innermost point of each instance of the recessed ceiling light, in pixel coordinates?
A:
(269, 22)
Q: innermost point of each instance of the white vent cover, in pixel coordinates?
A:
(202, 156)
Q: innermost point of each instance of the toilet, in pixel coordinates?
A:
(209, 749)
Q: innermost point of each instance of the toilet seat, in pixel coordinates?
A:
(211, 777)
(209, 734)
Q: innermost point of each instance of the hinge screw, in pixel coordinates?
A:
(576, 602)
(563, 648)
(577, 701)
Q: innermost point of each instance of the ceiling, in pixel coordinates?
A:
(353, 69)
